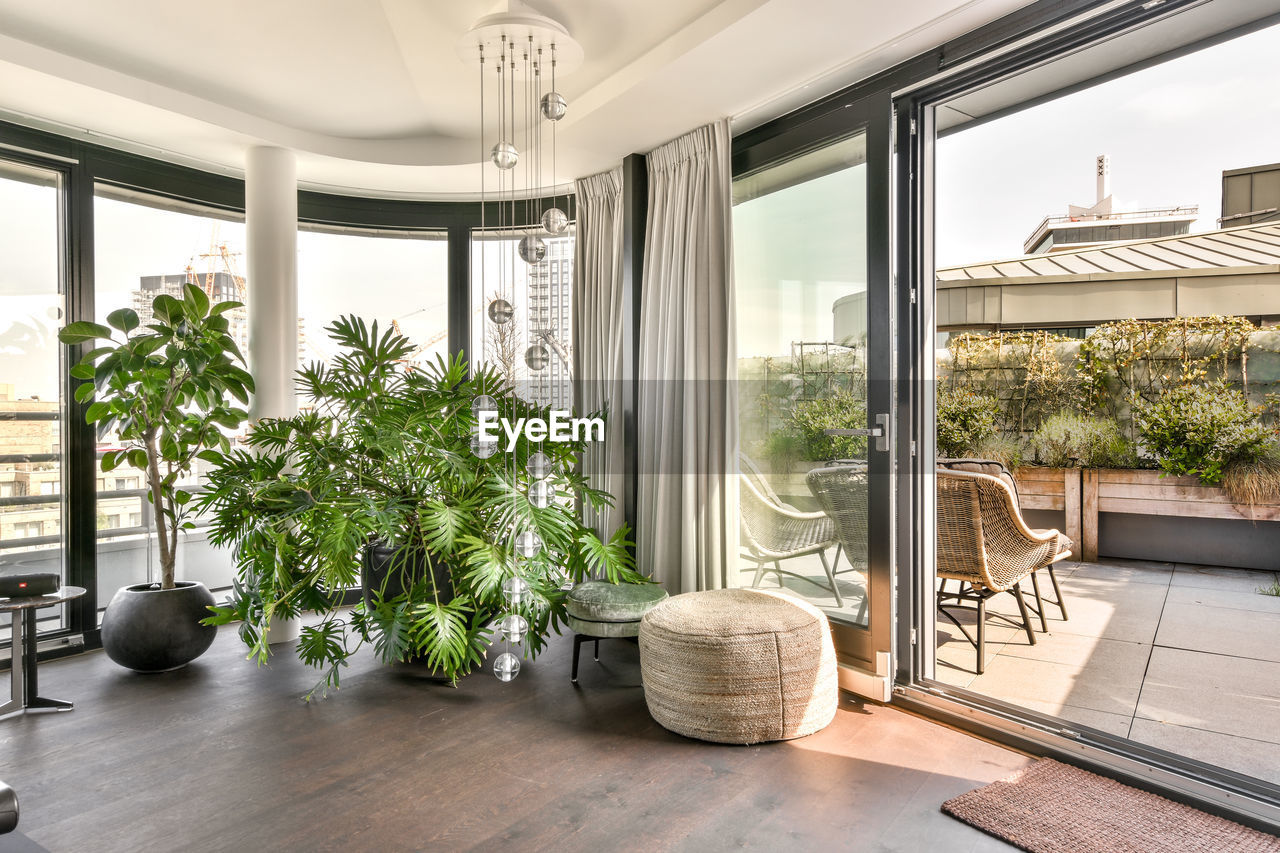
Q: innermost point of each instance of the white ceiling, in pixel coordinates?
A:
(372, 94)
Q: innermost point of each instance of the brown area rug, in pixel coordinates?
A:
(1050, 807)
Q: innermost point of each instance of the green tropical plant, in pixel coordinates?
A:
(1068, 440)
(384, 456)
(1200, 429)
(166, 389)
(839, 410)
(965, 421)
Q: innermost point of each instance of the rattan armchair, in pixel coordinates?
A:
(841, 491)
(998, 469)
(986, 547)
(774, 531)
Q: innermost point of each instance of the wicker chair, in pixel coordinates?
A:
(841, 491)
(998, 469)
(986, 547)
(774, 531)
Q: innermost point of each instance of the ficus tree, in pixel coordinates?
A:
(168, 390)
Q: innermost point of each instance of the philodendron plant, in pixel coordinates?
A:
(168, 390)
(381, 462)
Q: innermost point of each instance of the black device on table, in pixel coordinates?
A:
(24, 586)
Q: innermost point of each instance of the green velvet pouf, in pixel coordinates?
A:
(601, 601)
(599, 610)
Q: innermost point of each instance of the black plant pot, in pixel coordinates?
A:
(149, 629)
(393, 571)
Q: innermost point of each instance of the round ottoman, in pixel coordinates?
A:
(738, 666)
(600, 610)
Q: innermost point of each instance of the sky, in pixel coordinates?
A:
(1170, 130)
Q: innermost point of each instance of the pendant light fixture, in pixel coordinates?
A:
(517, 49)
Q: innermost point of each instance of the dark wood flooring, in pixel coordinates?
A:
(223, 756)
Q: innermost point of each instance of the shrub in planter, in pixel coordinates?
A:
(841, 410)
(965, 421)
(1067, 440)
(1201, 429)
(1003, 448)
(1254, 481)
(783, 449)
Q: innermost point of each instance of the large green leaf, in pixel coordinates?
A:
(124, 319)
(78, 333)
(195, 301)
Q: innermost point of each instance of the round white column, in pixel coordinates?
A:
(271, 223)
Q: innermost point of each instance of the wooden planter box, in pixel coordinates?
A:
(1147, 493)
(1082, 495)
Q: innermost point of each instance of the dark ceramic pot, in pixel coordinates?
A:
(392, 571)
(149, 629)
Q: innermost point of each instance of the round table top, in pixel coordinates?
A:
(27, 602)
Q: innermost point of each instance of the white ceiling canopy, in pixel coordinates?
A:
(376, 98)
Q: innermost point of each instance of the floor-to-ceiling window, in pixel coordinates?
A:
(396, 279)
(32, 302)
(145, 246)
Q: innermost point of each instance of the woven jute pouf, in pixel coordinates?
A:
(738, 666)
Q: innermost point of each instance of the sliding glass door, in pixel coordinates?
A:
(1097, 340)
(812, 430)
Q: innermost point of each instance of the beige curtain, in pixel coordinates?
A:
(597, 334)
(687, 527)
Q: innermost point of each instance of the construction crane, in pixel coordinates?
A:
(424, 346)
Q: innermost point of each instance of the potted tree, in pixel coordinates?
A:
(165, 389)
(377, 483)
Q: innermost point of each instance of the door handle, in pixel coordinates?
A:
(880, 432)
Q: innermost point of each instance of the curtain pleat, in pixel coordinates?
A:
(597, 335)
(686, 528)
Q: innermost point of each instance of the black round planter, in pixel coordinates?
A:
(393, 571)
(149, 629)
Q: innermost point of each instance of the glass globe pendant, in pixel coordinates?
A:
(528, 544)
(501, 312)
(532, 248)
(504, 155)
(506, 667)
(483, 449)
(513, 627)
(515, 589)
(537, 357)
(541, 493)
(554, 106)
(554, 220)
(538, 466)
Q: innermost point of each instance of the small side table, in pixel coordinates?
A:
(24, 689)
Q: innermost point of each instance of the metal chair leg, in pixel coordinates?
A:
(759, 574)
(982, 635)
(1026, 617)
(777, 564)
(597, 650)
(1057, 592)
(831, 578)
(1035, 585)
(577, 646)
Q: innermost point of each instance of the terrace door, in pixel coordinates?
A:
(1079, 277)
(812, 346)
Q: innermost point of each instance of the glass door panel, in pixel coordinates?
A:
(800, 270)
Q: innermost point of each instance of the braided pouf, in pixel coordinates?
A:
(738, 666)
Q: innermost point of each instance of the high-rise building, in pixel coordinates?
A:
(1100, 223)
(549, 323)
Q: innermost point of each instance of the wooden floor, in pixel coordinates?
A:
(223, 756)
